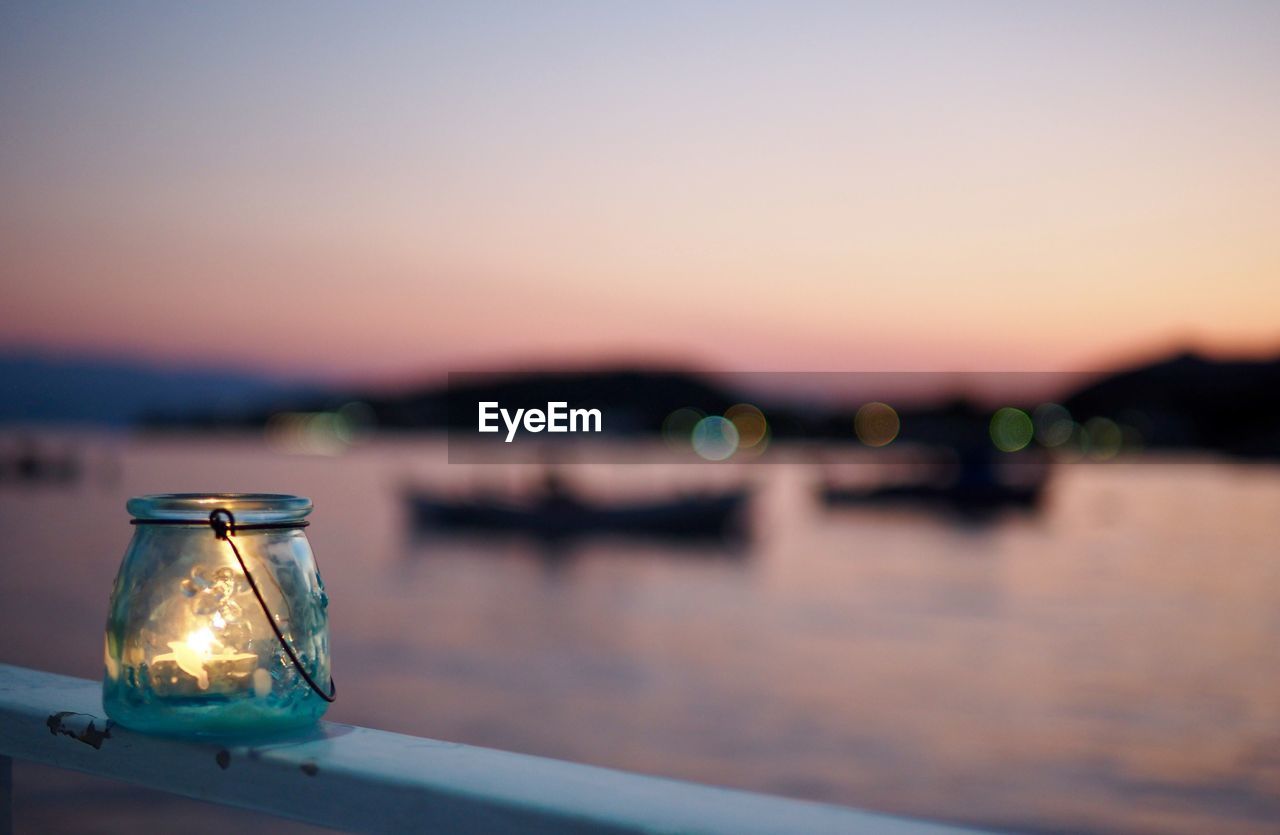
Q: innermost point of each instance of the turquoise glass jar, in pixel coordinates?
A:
(190, 644)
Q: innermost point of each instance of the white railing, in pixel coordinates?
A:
(373, 781)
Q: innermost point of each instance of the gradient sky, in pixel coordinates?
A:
(361, 191)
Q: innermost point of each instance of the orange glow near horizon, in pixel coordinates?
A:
(995, 187)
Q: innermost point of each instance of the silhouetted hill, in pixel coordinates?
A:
(42, 389)
(1189, 401)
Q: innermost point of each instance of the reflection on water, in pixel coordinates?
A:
(1107, 664)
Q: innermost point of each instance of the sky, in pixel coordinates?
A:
(367, 191)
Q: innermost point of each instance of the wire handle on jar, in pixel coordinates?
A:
(223, 523)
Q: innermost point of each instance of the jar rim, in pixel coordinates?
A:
(196, 507)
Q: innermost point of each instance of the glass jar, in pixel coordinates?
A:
(189, 647)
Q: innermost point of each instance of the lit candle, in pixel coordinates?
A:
(201, 660)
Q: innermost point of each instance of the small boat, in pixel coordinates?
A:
(36, 463)
(561, 516)
(975, 484)
(970, 498)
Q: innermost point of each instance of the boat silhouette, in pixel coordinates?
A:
(558, 514)
(978, 486)
(970, 498)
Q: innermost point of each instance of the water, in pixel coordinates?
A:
(1108, 665)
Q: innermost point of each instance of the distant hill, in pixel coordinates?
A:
(1190, 401)
(35, 388)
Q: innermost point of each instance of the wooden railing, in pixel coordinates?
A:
(373, 781)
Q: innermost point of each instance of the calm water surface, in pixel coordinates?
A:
(1111, 664)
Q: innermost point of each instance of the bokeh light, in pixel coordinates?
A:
(876, 424)
(1053, 424)
(677, 429)
(1011, 429)
(354, 421)
(309, 433)
(1076, 446)
(753, 428)
(1105, 438)
(715, 438)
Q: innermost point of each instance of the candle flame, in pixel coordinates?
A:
(190, 655)
(201, 641)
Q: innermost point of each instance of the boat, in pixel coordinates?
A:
(977, 486)
(32, 462)
(562, 516)
(970, 498)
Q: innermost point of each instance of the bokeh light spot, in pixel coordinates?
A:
(876, 424)
(1075, 448)
(677, 429)
(1011, 429)
(308, 433)
(354, 420)
(715, 438)
(1053, 424)
(1105, 438)
(750, 422)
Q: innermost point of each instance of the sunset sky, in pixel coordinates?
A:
(371, 191)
